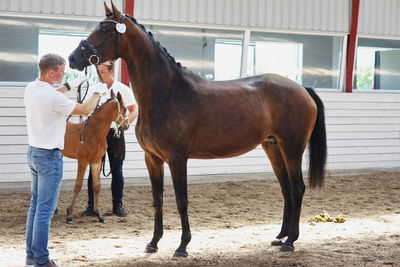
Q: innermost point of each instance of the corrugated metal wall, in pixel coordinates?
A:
(91, 8)
(379, 18)
(291, 15)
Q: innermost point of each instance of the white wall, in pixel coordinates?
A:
(287, 15)
(91, 8)
(363, 132)
(379, 18)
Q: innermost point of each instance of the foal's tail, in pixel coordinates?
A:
(317, 145)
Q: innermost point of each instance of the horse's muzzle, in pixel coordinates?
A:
(76, 61)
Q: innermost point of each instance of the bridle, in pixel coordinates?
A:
(95, 57)
(124, 119)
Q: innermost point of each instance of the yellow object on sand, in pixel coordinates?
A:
(325, 217)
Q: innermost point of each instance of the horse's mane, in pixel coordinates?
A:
(176, 65)
(97, 110)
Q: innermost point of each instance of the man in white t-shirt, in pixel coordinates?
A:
(46, 111)
(115, 145)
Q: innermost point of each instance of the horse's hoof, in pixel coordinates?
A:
(287, 248)
(150, 249)
(101, 220)
(180, 254)
(70, 221)
(277, 242)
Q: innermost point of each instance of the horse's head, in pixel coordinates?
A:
(103, 43)
(121, 120)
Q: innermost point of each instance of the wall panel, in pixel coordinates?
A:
(363, 131)
(86, 8)
(293, 15)
(379, 18)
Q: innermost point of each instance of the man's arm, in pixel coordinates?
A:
(63, 89)
(132, 113)
(88, 106)
(72, 85)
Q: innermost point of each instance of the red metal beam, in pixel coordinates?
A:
(351, 46)
(129, 8)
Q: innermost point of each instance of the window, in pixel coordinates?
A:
(283, 58)
(377, 64)
(22, 38)
(63, 43)
(311, 60)
(214, 54)
(228, 54)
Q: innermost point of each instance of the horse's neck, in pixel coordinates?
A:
(150, 69)
(99, 123)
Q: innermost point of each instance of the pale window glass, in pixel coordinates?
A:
(19, 44)
(310, 60)
(377, 64)
(277, 57)
(227, 59)
(213, 54)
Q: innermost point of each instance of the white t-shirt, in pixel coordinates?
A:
(46, 112)
(125, 91)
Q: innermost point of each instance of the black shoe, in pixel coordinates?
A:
(49, 263)
(119, 211)
(89, 212)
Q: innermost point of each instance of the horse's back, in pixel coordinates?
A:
(233, 117)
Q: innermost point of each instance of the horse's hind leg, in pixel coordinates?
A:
(293, 158)
(82, 165)
(155, 166)
(178, 167)
(279, 167)
(95, 167)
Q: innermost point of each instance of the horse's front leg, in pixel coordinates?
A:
(82, 165)
(155, 167)
(95, 167)
(178, 167)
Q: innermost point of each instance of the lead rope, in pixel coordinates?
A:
(80, 99)
(103, 166)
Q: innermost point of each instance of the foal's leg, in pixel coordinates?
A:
(82, 165)
(95, 167)
(279, 167)
(155, 166)
(178, 167)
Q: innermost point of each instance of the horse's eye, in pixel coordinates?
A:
(104, 29)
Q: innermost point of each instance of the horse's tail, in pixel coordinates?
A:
(317, 145)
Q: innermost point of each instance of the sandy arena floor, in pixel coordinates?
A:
(232, 224)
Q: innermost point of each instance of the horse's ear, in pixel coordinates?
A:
(116, 12)
(112, 94)
(107, 10)
(119, 96)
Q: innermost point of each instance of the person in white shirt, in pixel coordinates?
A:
(46, 111)
(115, 144)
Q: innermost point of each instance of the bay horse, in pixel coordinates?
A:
(87, 143)
(183, 115)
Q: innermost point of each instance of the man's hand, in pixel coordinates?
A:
(74, 84)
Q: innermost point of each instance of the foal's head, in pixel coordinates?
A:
(104, 43)
(122, 119)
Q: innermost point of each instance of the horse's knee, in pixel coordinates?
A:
(78, 185)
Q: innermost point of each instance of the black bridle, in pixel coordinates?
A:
(95, 57)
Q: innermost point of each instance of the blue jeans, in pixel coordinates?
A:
(46, 170)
